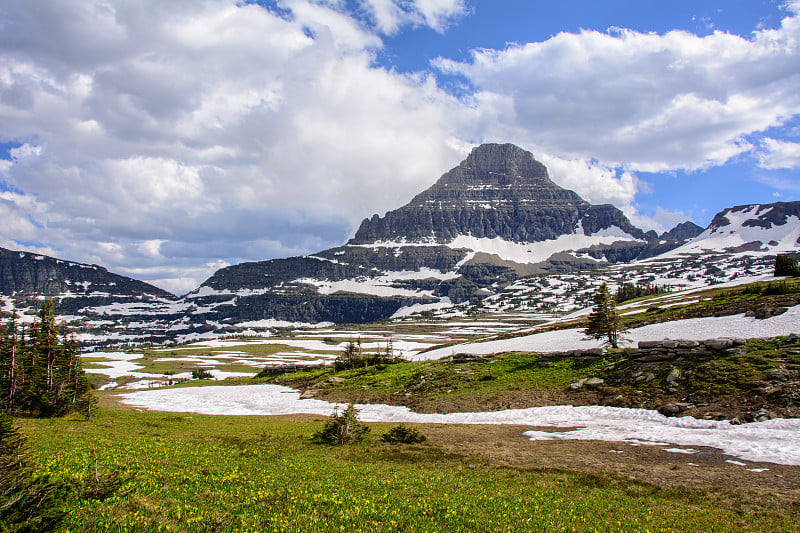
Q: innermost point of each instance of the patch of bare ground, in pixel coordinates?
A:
(748, 488)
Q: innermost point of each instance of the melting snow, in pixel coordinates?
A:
(689, 329)
(771, 441)
(536, 252)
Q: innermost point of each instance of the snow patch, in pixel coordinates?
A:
(537, 252)
(771, 441)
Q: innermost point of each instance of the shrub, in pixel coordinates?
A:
(404, 434)
(202, 373)
(786, 265)
(344, 428)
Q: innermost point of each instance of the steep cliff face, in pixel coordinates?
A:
(29, 274)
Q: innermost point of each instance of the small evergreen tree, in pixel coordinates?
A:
(404, 434)
(29, 502)
(604, 322)
(786, 265)
(344, 428)
(350, 358)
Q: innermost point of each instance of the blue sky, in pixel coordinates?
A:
(165, 140)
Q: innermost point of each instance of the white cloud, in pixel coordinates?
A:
(390, 15)
(662, 220)
(157, 138)
(214, 129)
(777, 154)
(593, 181)
(647, 101)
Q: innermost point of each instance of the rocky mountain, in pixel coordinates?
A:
(97, 302)
(768, 228)
(494, 231)
(499, 192)
(26, 274)
(683, 231)
(493, 218)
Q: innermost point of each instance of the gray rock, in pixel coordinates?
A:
(687, 345)
(669, 409)
(646, 345)
(594, 382)
(718, 344)
(673, 376)
(578, 385)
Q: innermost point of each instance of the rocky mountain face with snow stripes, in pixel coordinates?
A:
(499, 192)
(494, 230)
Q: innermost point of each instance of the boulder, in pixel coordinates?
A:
(669, 409)
(578, 385)
(673, 376)
(718, 344)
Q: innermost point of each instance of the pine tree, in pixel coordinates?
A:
(29, 501)
(40, 373)
(786, 265)
(604, 322)
(344, 428)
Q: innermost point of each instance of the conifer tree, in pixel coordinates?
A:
(604, 322)
(29, 501)
(786, 265)
(40, 373)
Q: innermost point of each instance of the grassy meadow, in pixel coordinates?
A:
(216, 473)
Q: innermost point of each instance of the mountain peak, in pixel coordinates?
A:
(503, 162)
(498, 191)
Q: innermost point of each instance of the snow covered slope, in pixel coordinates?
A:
(772, 228)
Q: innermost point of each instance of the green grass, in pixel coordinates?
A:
(203, 473)
(505, 372)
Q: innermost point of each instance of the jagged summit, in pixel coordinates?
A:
(494, 175)
(499, 164)
(683, 231)
(498, 191)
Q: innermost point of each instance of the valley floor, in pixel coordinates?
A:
(222, 473)
(491, 467)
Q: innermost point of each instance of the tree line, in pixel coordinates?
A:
(40, 369)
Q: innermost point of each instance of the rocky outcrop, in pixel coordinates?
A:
(682, 232)
(758, 215)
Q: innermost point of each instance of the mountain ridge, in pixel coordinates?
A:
(480, 228)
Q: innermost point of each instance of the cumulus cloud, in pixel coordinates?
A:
(160, 138)
(777, 154)
(593, 181)
(212, 126)
(647, 101)
(390, 15)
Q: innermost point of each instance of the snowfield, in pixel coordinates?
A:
(735, 326)
(774, 441)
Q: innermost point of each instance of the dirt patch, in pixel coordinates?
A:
(744, 485)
